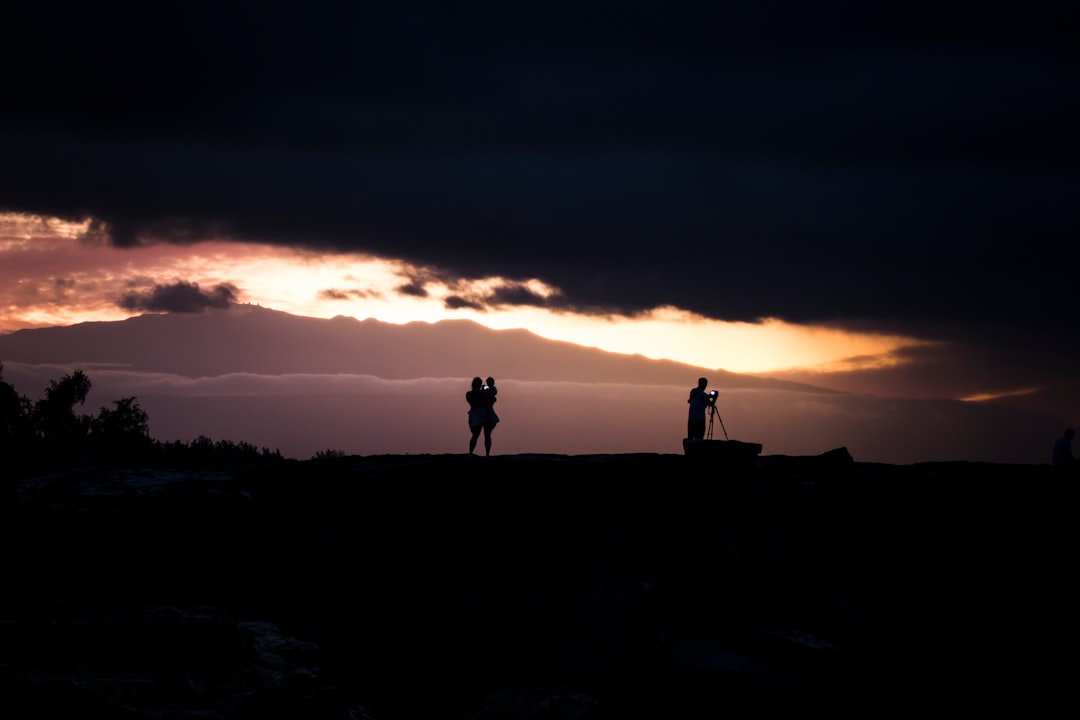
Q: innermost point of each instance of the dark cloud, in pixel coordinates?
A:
(456, 302)
(97, 234)
(516, 294)
(335, 294)
(897, 165)
(412, 290)
(500, 295)
(179, 297)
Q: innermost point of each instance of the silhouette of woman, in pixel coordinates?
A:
(480, 415)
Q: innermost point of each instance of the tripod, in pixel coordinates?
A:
(714, 414)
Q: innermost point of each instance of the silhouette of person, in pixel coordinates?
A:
(480, 415)
(699, 402)
(1063, 455)
(489, 387)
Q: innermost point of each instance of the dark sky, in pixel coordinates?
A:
(902, 167)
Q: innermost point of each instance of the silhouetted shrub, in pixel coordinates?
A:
(206, 452)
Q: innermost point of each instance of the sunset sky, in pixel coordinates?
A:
(879, 198)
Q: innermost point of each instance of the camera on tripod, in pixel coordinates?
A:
(714, 414)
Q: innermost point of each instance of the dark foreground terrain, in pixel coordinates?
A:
(615, 586)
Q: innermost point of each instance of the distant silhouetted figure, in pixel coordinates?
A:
(699, 404)
(480, 415)
(1063, 455)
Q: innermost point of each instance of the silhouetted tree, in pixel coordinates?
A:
(54, 414)
(124, 429)
(49, 430)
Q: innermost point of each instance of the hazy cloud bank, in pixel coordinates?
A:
(301, 414)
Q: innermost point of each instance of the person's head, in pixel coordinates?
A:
(702, 382)
(1070, 433)
(489, 381)
(477, 383)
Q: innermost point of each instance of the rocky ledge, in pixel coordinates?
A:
(528, 586)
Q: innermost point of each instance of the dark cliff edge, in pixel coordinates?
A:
(606, 586)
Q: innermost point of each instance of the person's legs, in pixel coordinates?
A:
(695, 429)
(475, 436)
(487, 438)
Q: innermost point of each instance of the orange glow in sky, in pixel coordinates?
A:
(50, 275)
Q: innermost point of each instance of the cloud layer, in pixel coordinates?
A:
(303, 414)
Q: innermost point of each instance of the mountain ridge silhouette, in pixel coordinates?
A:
(255, 339)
